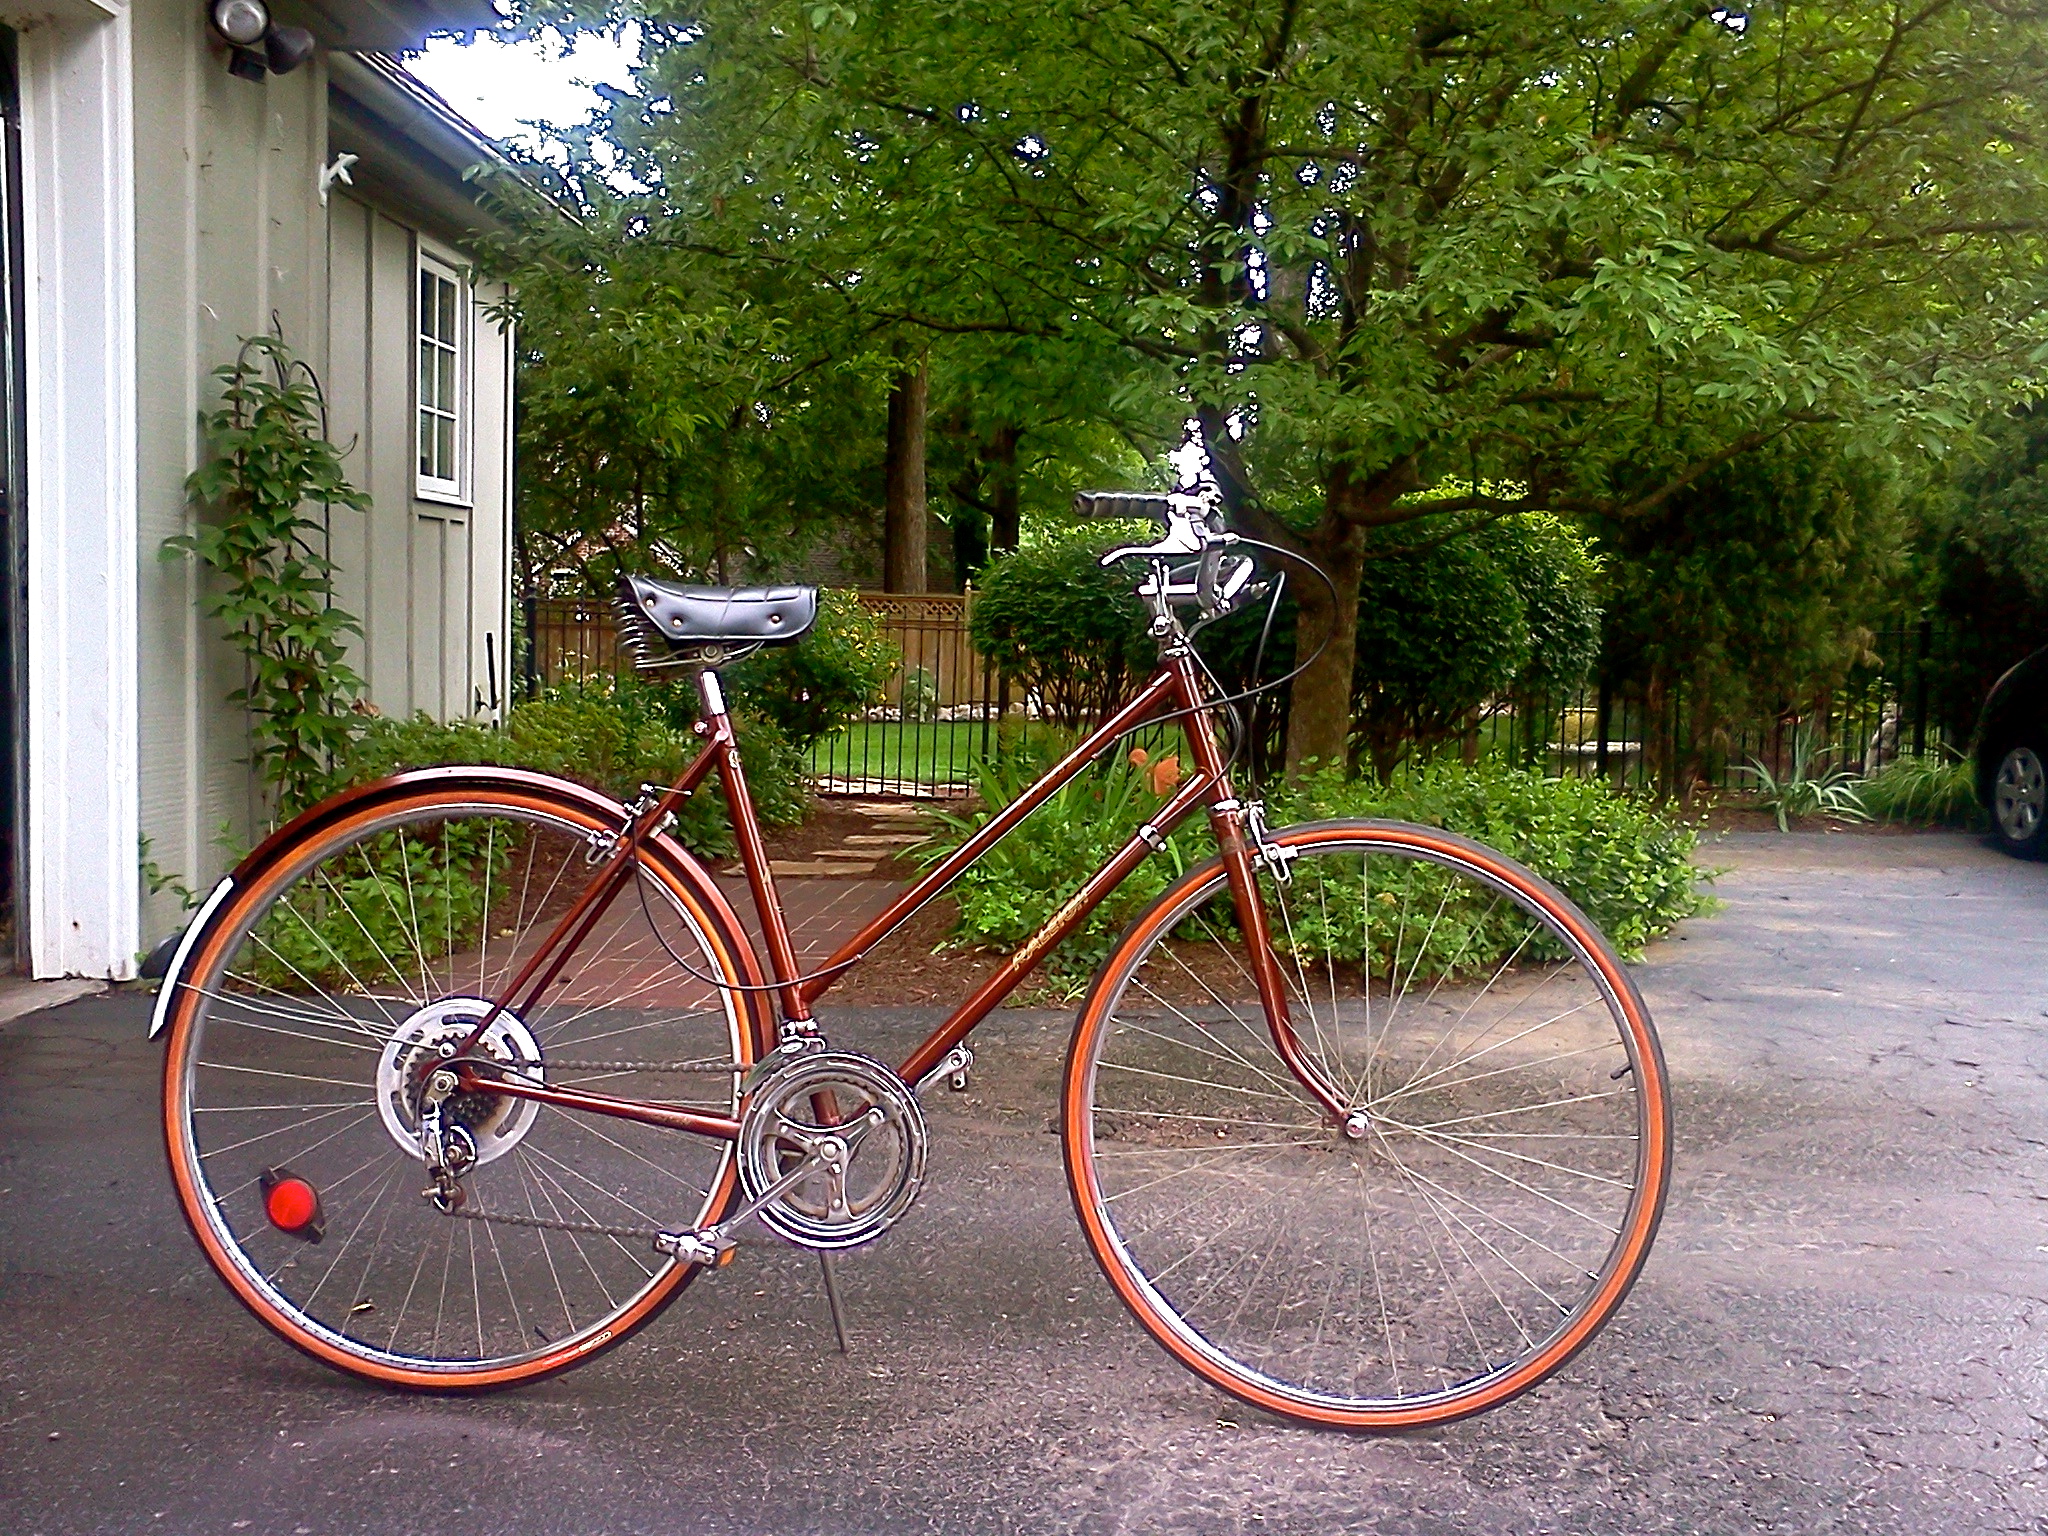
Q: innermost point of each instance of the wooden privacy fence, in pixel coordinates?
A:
(939, 718)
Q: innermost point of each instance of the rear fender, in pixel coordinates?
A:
(602, 809)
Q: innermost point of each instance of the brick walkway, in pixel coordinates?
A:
(822, 913)
(828, 896)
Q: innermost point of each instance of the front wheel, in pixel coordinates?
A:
(1492, 1190)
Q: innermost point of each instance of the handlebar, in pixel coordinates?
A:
(1194, 526)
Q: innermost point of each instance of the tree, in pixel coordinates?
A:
(1570, 256)
(1754, 588)
(1984, 558)
(724, 185)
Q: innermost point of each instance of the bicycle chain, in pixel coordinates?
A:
(547, 1062)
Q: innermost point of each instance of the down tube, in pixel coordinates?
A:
(1058, 926)
(1163, 686)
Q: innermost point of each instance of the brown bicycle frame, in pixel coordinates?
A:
(1176, 683)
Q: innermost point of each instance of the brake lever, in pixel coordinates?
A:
(1186, 533)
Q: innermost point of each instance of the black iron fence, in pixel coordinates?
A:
(940, 719)
(936, 725)
(1906, 696)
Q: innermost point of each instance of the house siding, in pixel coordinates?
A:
(228, 243)
(232, 238)
(430, 581)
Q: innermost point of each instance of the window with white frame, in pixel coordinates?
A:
(443, 402)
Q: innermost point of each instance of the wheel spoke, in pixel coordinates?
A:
(338, 976)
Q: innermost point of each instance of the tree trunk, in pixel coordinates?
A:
(905, 521)
(1004, 527)
(1319, 704)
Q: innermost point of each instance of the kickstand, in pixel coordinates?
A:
(832, 1301)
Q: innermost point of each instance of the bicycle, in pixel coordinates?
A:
(471, 1071)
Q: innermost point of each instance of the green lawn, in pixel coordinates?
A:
(941, 752)
(924, 752)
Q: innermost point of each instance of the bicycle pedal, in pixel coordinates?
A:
(707, 1246)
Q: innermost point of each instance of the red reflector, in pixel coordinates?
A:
(292, 1204)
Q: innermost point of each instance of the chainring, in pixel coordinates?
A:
(865, 1124)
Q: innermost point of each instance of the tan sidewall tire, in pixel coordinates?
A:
(1653, 1156)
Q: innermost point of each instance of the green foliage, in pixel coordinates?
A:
(275, 590)
(613, 735)
(1557, 574)
(1012, 891)
(404, 895)
(1986, 553)
(1053, 619)
(157, 880)
(1752, 590)
(826, 679)
(1627, 865)
(1937, 789)
(1445, 627)
(1808, 787)
(1510, 605)
(1567, 256)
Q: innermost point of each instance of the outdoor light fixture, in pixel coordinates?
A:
(256, 47)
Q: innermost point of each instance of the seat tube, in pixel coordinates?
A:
(1226, 819)
(753, 852)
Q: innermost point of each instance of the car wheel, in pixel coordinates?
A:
(2019, 802)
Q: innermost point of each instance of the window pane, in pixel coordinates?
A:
(426, 303)
(427, 375)
(444, 447)
(446, 398)
(447, 331)
(426, 444)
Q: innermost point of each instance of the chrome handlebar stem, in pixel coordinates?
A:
(1193, 528)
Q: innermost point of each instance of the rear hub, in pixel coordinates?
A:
(495, 1121)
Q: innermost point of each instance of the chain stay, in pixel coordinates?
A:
(556, 1224)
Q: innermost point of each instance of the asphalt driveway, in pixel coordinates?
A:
(1844, 1326)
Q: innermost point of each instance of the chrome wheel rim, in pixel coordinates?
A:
(2020, 795)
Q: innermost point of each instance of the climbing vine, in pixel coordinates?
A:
(269, 460)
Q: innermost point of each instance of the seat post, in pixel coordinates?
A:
(753, 852)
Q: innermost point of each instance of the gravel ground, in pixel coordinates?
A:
(1843, 1326)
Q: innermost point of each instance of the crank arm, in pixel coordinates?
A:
(707, 1245)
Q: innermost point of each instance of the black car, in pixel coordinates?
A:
(2012, 749)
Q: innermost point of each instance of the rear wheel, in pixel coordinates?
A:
(1492, 1192)
(294, 1054)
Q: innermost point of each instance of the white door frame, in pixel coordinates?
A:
(80, 895)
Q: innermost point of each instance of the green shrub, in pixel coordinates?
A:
(610, 734)
(1939, 789)
(1053, 619)
(1010, 893)
(826, 679)
(1625, 864)
(1506, 606)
